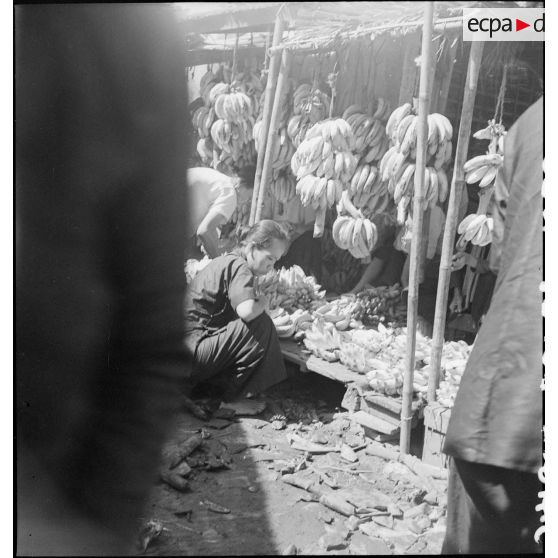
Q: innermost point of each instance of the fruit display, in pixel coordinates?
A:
(283, 186)
(290, 289)
(310, 105)
(380, 304)
(352, 231)
(477, 227)
(399, 163)
(323, 340)
(287, 324)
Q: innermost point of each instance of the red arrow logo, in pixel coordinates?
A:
(519, 24)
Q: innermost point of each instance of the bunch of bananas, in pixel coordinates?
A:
(283, 149)
(310, 105)
(283, 186)
(397, 166)
(401, 128)
(322, 164)
(208, 80)
(202, 119)
(326, 151)
(352, 231)
(476, 228)
(483, 169)
(367, 191)
(371, 141)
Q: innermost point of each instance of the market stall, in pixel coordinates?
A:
(355, 124)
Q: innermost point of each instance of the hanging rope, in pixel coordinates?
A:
(235, 55)
(499, 112)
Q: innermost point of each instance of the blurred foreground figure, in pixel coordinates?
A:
(100, 155)
(495, 430)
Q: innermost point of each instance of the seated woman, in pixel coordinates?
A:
(230, 336)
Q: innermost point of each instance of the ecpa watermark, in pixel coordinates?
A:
(503, 24)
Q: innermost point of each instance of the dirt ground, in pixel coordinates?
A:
(239, 470)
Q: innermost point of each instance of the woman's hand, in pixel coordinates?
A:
(456, 305)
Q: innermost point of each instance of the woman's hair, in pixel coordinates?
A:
(261, 235)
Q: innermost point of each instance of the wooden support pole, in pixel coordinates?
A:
(273, 129)
(446, 79)
(418, 199)
(457, 185)
(268, 102)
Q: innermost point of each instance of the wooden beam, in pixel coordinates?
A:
(418, 199)
(272, 132)
(457, 185)
(266, 116)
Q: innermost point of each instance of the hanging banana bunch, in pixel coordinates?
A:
(352, 231)
(371, 141)
(310, 105)
(483, 169)
(283, 186)
(397, 166)
(477, 227)
(323, 165)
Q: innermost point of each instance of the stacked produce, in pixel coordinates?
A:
(310, 105)
(380, 304)
(323, 164)
(454, 360)
(483, 169)
(283, 186)
(226, 120)
(290, 289)
(398, 164)
(323, 339)
(287, 324)
(352, 231)
(241, 214)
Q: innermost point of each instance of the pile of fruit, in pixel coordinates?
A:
(323, 340)
(288, 324)
(371, 141)
(380, 304)
(291, 289)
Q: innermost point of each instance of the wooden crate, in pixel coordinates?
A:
(436, 420)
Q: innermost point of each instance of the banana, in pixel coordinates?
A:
(489, 177)
(355, 180)
(362, 178)
(395, 118)
(433, 191)
(351, 110)
(478, 161)
(410, 138)
(477, 174)
(402, 128)
(443, 186)
(473, 226)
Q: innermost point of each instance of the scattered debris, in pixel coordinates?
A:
(291, 550)
(417, 511)
(174, 454)
(245, 407)
(218, 424)
(368, 546)
(332, 541)
(187, 514)
(348, 453)
(215, 508)
(304, 445)
(278, 422)
(174, 480)
(211, 536)
(150, 530)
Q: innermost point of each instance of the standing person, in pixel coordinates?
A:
(229, 334)
(100, 156)
(495, 431)
(212, 198)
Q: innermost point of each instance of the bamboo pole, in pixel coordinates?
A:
(457, 185)
(418, 198)
(446, 80)
(268, 102)
(272, 132)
